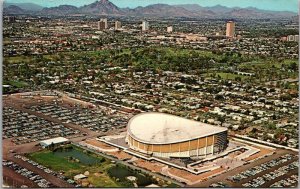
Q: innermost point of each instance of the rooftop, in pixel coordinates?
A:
(160, 128)
(53, 140)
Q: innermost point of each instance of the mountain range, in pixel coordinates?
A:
(105, 7)
(24, 6)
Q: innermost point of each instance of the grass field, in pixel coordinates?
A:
(227, 76)
(98, 172)
(17, 84)
(54, 162)
(267, 64)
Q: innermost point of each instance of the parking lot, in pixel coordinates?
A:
(30, 119)
(240, 177)
(41, 182)
(24, 127)
(218, 185)
(261, 173)
(261, 180)
(100, 120)
(286, 182)
(45, 169)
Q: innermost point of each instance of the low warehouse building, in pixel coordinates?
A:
(53, 141)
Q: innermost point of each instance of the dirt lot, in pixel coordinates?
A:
(120, 155)
(192, 177)
(152, 166)
(14, 179)
(99, 144)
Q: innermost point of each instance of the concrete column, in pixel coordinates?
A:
(198, 148)
(205, 146)
(189, 147)
(213, 143)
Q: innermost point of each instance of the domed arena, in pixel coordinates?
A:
(165, 135)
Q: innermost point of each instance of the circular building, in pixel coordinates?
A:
(165, 135)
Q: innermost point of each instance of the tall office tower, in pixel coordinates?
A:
(230, 29)
(290, 37)
(145, 26)
(169, 29)
(11, 19)
(102, 24)
(117, 25)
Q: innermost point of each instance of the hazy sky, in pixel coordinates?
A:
(285, 5)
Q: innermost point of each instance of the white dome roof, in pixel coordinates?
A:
(160, 128)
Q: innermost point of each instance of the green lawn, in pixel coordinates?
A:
(17, 84)
(54, 162)
(267, 64)
(103, 180)
(227, 76)
(72, 168)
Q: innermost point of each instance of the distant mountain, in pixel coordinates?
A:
(219, 9)
(208, 11)
(102, 7)
(162, 10)
(237, 12)
(24, 6)
(257, 13)
(60, 10)
(13, 9)
(191, 7)
(105, 7)
(197, 8)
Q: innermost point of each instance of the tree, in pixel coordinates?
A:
(238, 78)
(293, 66)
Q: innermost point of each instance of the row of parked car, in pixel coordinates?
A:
(45, 169)
(102, 120)
(259, 168)
(286, 182)
(41, 182)
(24, 127)
(259, 181)
(218, 185)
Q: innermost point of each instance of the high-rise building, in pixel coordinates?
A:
(11, 19)
(117, 25)
(102, 24)
(169, 29)
(230, 29)
(145, 26)
(293, 38)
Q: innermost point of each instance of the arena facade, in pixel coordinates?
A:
(165, 135)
